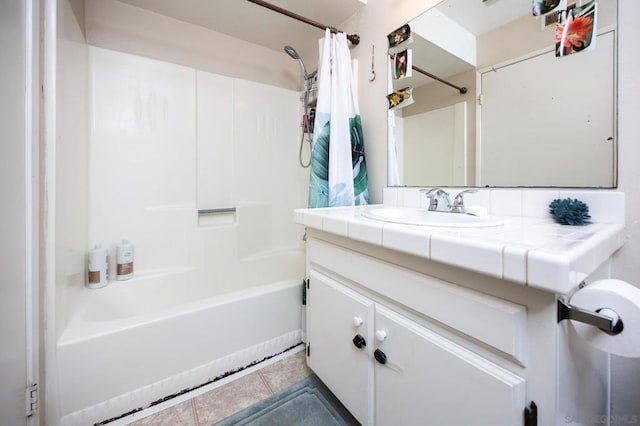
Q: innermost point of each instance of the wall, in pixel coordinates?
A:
(625, 372)
(435, 95)
(15, 189)
(71, 150)
(372, 23)
(145, 149)
(116, 25)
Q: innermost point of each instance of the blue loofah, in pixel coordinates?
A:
(569, 212)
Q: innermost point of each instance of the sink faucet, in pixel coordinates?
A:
(458, 202)
(439, 200)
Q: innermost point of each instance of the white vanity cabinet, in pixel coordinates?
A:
(467, 319)
(387, 365)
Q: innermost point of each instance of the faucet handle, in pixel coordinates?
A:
(458, 201)
(439, 199)
(433, 192)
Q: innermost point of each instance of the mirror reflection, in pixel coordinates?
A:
(528, 118)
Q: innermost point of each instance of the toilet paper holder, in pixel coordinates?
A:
(605, 323)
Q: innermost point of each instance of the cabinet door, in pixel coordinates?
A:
(429, 380)
(344, 368)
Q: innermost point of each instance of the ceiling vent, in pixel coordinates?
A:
(551, 18)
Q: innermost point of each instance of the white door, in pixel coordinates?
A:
(334, 312)
(547, 114)
(429, 380)
(16, 245)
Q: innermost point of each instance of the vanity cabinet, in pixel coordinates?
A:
(401, 347)
(389, 370)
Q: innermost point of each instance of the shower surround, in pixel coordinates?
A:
(211, 292)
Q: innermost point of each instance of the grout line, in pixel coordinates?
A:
(194, 412)
(266, 383)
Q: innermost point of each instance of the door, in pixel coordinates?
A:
(525, 116)
(17, 109)
(336, 316)
(429, 380)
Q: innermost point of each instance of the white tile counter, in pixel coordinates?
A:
(533, 251)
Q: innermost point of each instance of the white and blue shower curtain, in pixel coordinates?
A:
(338, 167)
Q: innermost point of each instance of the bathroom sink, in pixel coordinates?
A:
(423, 217)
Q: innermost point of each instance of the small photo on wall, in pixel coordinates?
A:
(402, 64)
(399, 39)
(542, 7)
(400, 98)
(574, 32)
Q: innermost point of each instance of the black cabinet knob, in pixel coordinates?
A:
(359, 341)
(380, 356)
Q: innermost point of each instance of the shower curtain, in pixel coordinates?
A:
(338, 168)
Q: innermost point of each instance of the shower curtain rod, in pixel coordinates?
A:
(462, 90)
(353, 38)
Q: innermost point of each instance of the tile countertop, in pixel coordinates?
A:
(533, 251)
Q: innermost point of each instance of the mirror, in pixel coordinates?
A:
(528, 118)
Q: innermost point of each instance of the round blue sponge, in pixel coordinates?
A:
(569, 212)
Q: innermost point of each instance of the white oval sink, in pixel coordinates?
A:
(423, 217)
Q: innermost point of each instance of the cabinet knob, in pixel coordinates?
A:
(358, 321)
(380, 356)
(359, 341)
(381, 335)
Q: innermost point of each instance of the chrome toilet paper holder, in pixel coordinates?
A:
(603, 322)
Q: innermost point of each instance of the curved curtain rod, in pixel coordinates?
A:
(353, 38)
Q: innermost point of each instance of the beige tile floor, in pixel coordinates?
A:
(215, 405)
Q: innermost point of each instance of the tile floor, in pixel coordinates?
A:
(221, 402)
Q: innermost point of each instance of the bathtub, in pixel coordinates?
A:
(137, 341)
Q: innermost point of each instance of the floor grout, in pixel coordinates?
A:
(266, 383)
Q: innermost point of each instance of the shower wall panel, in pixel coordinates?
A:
(167, 140)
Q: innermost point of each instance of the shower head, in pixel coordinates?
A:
(292, 52)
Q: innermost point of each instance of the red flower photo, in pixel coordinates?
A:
(576, 32)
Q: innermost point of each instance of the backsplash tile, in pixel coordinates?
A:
(506, 202)
(605, 206)
(536, 203)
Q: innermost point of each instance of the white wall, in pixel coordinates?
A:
(625, 374)
(116, 25)
(143, 170)
(372, 23)
(16, 188)
(71, 186)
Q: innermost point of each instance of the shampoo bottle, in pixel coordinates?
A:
(98, 262)
(124, 261)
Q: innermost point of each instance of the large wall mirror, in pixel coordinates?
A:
(527, 119)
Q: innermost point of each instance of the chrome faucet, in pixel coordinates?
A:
(458, 202)
(439, 200)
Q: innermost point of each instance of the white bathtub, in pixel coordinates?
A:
(134, 342)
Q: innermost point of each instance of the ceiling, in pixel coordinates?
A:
(256, 24)
(478, 17)
(475, 16)
(253, 23)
